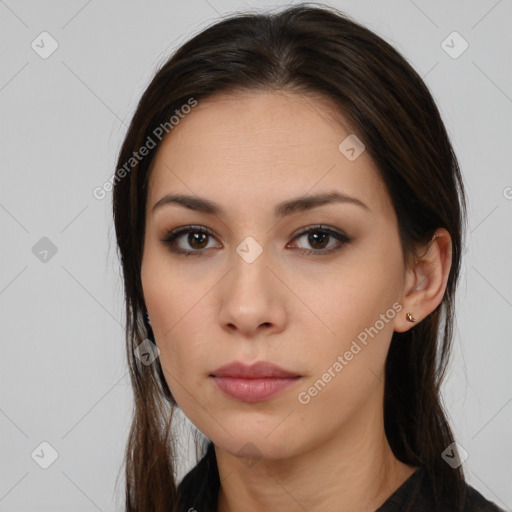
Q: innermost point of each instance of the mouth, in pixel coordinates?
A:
(253, 383)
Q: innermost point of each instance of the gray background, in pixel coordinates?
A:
(63, 374)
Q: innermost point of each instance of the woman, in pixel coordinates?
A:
(290, 218)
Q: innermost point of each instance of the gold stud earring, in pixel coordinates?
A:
(410, 317)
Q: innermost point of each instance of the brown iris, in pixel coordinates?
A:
(200, 238)
(313, 239)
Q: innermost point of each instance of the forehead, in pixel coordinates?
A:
(246, 148)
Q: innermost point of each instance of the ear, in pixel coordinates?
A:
(425, 280)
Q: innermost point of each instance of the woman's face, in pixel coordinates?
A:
(250, 291)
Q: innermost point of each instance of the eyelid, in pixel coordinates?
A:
(320, 227)
(186, 229)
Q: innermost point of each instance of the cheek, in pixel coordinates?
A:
(347, 376)
(162, 298)
(359, 306)
(180, 315)
(352, 300)
(166, 294)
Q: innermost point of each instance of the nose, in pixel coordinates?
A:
(253, 299)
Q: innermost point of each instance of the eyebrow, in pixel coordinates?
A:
(283, 209)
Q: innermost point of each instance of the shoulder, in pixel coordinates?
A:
(475, 502)
(416, 495)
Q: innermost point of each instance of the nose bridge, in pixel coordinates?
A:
(250, 296)
(250, 274)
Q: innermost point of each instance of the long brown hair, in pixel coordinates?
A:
(306, 49)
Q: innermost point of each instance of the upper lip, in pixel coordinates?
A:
(252, 371)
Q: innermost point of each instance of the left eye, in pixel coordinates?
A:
(316, 236)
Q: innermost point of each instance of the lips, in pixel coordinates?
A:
(253, 383)
(261, 369)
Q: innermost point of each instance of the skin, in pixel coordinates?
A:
(248, 152)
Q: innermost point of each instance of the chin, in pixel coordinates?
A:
(256, 446)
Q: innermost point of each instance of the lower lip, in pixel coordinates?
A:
(254, 390)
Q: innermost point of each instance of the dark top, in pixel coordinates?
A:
(414, 495)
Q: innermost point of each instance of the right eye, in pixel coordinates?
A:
(197, 239)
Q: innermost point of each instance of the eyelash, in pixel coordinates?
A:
(170, 239)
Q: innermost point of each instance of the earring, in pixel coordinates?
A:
(410, 317)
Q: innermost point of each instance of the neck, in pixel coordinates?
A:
(353, 470)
